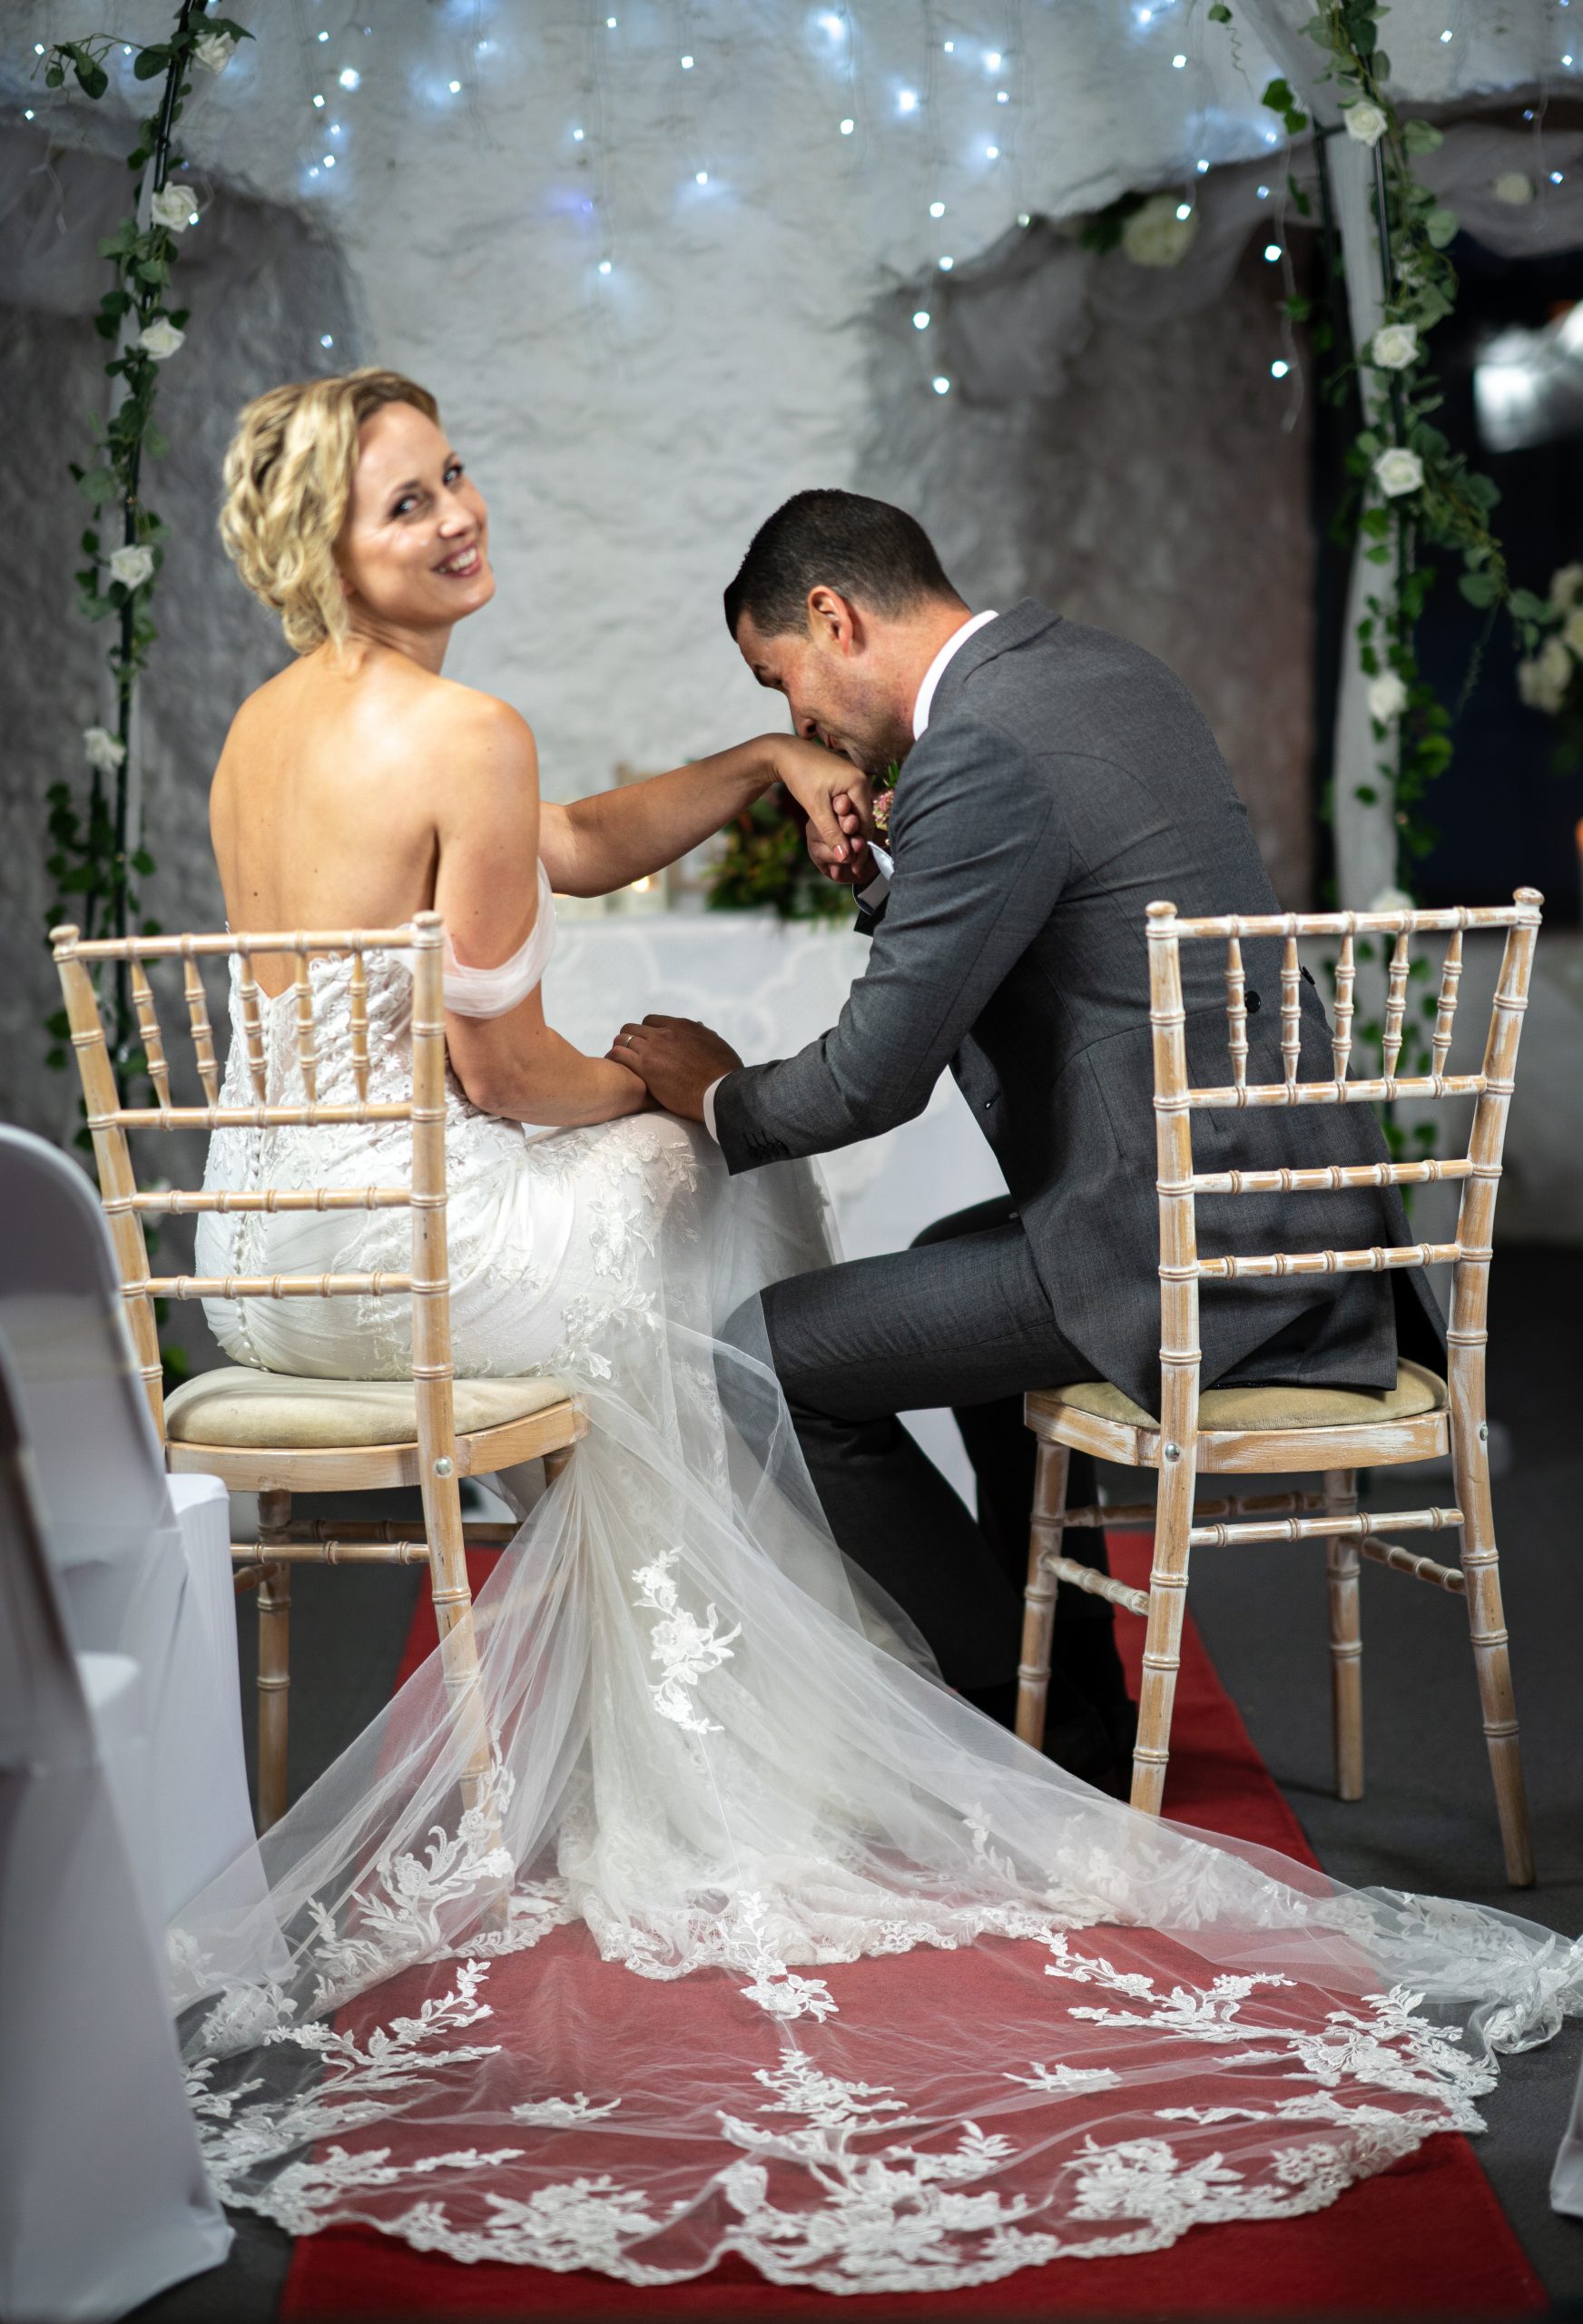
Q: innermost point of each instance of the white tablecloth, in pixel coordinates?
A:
(768, 987)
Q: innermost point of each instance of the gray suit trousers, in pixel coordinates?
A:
(962, 1320)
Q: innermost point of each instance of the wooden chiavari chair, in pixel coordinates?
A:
(1332, 1431)
(274, 1434)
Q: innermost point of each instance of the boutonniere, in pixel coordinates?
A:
(884, 801)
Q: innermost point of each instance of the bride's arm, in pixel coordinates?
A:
(488, 828)
(596, 845)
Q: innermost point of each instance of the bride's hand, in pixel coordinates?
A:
(833, 795)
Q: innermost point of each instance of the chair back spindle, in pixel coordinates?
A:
(1346, 976)
(1395, 1004)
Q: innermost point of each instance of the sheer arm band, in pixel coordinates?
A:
(492, 992)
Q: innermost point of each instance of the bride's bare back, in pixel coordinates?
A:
(329, 802)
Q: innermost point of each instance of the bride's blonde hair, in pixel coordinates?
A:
(288, 485)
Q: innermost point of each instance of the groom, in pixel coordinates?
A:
(1054, 781)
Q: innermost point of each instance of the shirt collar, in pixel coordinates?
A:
(937, 669)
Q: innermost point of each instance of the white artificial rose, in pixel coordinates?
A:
(160, 339)
(1391, 900)
(1366, 123)
(1566, 587)
(1397, 471)
(1543, 682)
(1572, 632)
(1394, 346)
(214, 51)
(171, 208)
(1155, 236)
(103, 750)
(1387, 697)
(1512, 186)
(132, 567)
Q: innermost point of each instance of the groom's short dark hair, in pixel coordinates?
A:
(874, 555)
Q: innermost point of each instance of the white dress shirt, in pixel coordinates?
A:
(874, 892)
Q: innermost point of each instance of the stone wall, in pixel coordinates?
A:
(264, 282)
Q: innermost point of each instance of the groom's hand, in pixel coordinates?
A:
(677, 1058)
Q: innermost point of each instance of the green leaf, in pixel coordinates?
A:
(92, 79)
(1277, 96)
(98, 485)
(1421, 136)
(143, 864)
(1220, 14)
(1366, 792)
(151, 63)
(54, 77)
(1380, 65)
(1478, 588)
(1440, 226)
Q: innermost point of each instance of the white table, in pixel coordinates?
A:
(768, 987)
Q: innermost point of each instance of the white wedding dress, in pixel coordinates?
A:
(763, 1942)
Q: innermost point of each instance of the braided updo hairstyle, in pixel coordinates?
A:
(288, 485)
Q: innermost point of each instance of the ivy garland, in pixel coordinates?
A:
(1411, 494)
(92, 861)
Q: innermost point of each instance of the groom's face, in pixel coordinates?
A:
(835, 676)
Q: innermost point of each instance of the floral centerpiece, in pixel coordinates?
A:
(765, 861)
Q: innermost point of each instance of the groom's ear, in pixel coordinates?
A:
(834, 622)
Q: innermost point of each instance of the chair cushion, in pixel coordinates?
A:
(242, 1408)
(1416, 1391)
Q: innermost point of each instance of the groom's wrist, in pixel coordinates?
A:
(708, 1107)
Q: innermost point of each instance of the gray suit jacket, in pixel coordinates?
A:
(1065, 780)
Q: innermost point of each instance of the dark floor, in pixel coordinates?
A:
(1428, 1818)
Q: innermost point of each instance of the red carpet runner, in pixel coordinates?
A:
(1427, 2238)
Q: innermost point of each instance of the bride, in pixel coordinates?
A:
(762, 1940)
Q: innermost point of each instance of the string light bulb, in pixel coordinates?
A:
(920, 321)
(349, 77)
(701, 177)
(1179, 62)
(1278, 369)
(847, 128)
(1272, 252)
(605, 266)
(1184, 211)
(455, 87)
(686, 64)
(908, 101)
(946, 265)
(937, 210)
(940, 384)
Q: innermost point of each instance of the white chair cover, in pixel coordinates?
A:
(144, 1561)
(103, 2198)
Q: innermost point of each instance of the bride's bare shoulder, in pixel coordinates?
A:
(383, 713)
